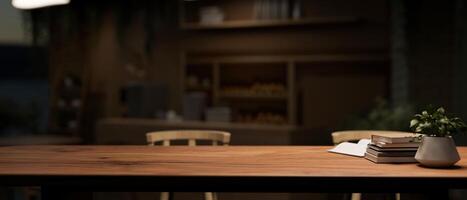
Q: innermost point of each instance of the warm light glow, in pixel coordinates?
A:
(31, 4)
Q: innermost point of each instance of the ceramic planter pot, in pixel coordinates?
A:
(437, 152)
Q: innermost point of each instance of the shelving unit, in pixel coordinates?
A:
(190, 19)
(275, 65)
(254, 97)
(333, 47)
(221, 79)
(239, 59)
(243, 24)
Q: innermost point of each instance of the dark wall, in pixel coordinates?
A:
(23, 89)
(23, 62)
(431, 36)
(436, 52)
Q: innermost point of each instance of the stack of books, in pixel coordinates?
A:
(393, 148)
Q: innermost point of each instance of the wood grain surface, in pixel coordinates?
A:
(288, 164)
(205, 161)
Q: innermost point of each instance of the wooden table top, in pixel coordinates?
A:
(235, 162)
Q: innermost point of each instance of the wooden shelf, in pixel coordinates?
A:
(253, 96)
(200, 88)
(288, 58)
(270, 23)
(287, 61)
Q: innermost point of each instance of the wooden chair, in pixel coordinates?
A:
(192, 136)
(346, 136)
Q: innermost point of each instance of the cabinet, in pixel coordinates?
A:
(254, 65)
(256, 86)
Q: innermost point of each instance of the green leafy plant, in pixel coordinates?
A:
(436, 123)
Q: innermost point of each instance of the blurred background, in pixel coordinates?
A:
(271, 72)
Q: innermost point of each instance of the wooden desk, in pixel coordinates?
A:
(233, 168)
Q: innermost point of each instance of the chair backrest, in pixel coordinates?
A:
(345, 136)
(191, 135)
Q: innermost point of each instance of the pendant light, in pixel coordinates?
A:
(32, 4)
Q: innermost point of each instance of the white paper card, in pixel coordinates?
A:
(353, 149)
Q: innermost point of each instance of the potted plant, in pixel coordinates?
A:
(437, 148)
